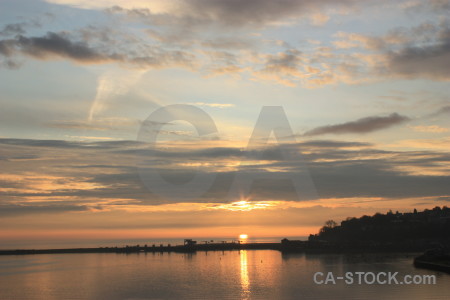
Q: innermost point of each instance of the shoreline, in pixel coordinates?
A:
(151, 249)
(284, 247)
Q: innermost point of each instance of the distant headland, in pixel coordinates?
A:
(411, 231)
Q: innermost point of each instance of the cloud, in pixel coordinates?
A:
(441, 144)
(102, 175)
(216, 105)
(54, 45)
(21, 27)
(232, 13)
(354, 40)
(99, 124)
(58, 45)
(332, 144)
(442, 111)
(440, 6)
(319, 19)
(421, 51)
(231, 42)
(285, 67)
(287, 62)
(432, 62)
(254, 12)
(202, 35)
(11, 210)
(430, 128)
(418, 52)
(12, 29)
(111, 84)
(360, 126)
(101, 50)
(56, 144)
(73, 125)
(39, 143)
(399, 36)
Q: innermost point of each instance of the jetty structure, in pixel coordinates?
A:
(189, 245)
(435, 259)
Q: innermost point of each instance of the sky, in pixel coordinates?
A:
(208, 118)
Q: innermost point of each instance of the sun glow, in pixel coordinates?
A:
(244, 205)
(243, 236)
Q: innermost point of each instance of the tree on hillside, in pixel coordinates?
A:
(330, 224)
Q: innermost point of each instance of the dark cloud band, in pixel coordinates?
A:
(363, 125)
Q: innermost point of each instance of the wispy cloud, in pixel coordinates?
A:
(422, 51)
(252, 13)
(431, 62)
(111, 84)
(216, 105)
(54, 45)
(430, 128)
(319, 19)
(62, 45)
(360, 126)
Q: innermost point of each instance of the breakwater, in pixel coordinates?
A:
(152, 248)
(285, 246)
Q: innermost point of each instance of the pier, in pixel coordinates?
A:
(189, 246)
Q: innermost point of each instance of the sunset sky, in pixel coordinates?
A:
(364, 86)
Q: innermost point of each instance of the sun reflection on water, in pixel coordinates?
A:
(245, 282)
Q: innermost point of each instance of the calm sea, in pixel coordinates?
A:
(258, 274)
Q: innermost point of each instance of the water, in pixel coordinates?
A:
(257, 274)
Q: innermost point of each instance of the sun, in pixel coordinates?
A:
(243, 236)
